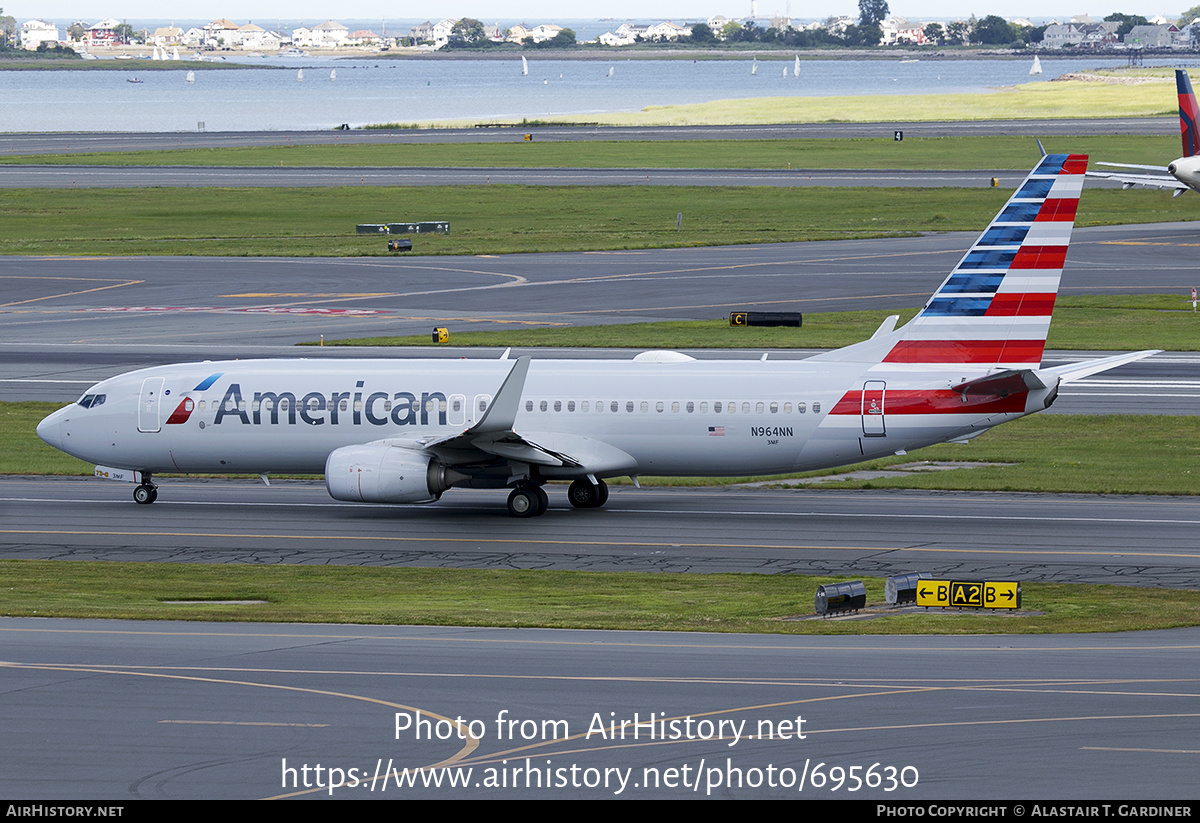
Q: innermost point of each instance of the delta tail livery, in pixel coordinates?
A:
(1182, 174)
(405, 431)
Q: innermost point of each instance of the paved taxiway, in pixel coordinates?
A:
(1059, 538)
(220, 708)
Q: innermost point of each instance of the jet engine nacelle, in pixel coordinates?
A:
(1187, 171)
(383, 474)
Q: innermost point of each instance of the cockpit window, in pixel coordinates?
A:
(90, 401)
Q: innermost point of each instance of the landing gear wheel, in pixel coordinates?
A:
(584, 495)
(145, 494)
(527, 501)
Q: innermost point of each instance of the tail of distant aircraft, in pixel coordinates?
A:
(1189, 114)
(994, 309)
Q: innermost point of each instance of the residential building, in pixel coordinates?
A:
(36, 32)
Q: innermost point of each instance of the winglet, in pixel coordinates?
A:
(1040, 146)
(502, 414)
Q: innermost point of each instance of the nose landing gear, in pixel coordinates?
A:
(145, 493)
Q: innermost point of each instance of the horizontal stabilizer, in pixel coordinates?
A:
(1077, 371)
(1162, 169)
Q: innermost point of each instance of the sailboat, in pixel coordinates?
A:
(1036, 68)
(785, 71)
(156, 55)
(333, 74)
(796, 67)
(524, 66)
(611, 69)
(754, 66)
(175, 53)
(300, 74)
(191, 77)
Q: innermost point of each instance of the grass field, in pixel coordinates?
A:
(1029, 101)
(992, 152)
(765, 604)
(505, 219)
(1084, 322)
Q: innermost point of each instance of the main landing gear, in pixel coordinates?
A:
(584, 494)
(531, 501)
(527, 501)
(147, 492)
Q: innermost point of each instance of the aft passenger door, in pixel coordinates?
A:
(873, 424)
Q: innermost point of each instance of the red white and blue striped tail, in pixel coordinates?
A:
(994, 309)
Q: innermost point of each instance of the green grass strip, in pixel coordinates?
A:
(765, 604)
(1029, 101)
(299, 222)
(992, 152)
(1081, 322)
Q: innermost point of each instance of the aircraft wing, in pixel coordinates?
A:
(1127, 180)
(494, 437)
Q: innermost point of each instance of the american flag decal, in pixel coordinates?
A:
(716, 431)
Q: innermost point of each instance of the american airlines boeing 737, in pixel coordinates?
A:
(405, 431)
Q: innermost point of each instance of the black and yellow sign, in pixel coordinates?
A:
(969, 594)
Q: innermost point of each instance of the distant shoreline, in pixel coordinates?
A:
(236, 60)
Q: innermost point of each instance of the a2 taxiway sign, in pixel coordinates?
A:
(969, 594)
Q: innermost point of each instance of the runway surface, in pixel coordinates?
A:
(75, 143)
(249, 711)
(1146, 541)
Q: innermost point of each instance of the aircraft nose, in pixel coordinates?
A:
(50, 429)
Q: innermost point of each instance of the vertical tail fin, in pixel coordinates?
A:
(1189, 114)
(994, 309)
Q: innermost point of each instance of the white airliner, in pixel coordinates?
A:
(1182, 174)
(405, 431)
